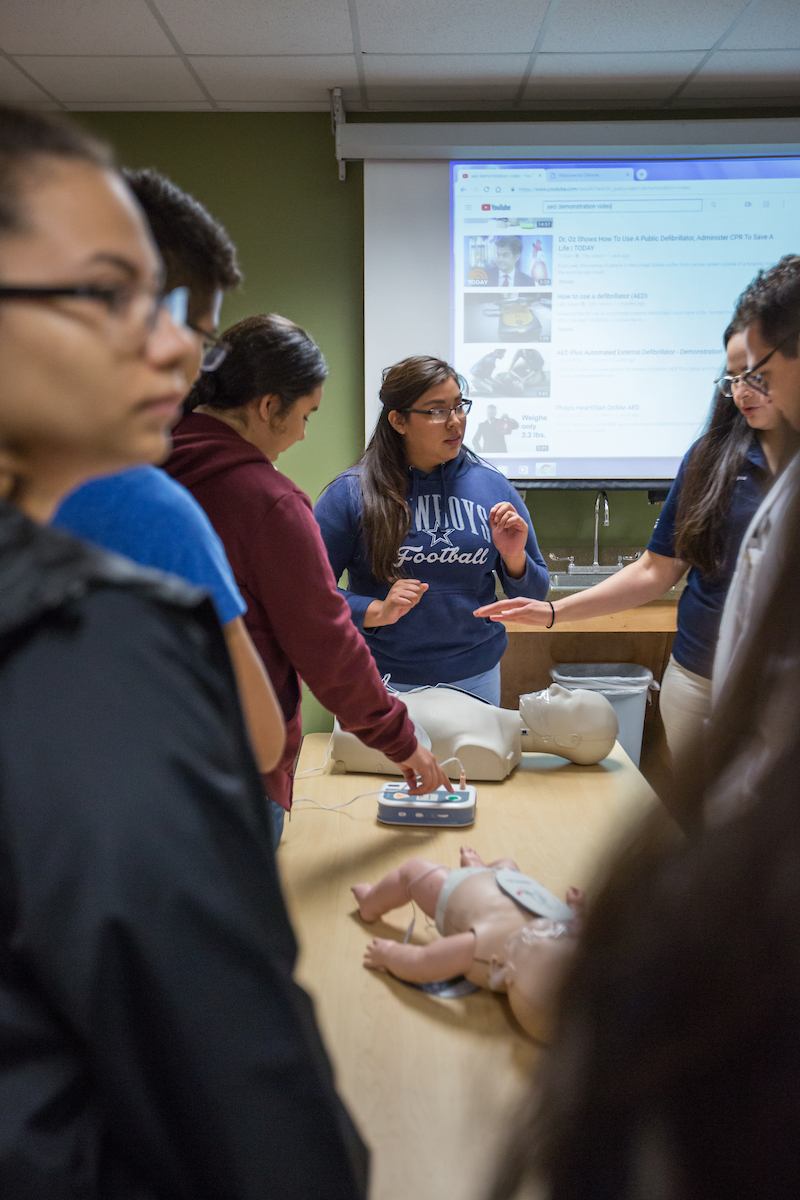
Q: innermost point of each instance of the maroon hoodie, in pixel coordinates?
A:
(300, 623)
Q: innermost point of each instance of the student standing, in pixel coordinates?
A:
(719, 486)
(243, 416)
(152, 1042)
(147, 516)
(769, 312)
(421, 525)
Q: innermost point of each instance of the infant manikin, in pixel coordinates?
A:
(487, 935)
(488, 741)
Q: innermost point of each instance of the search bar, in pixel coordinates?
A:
(622, 206)
(559, 174)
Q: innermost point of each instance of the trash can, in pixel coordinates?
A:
(625, 686)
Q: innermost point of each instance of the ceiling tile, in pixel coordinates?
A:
(437, 79)
(259, 27)
(15, 88)
(154, 80)
(609, 76)
(772, 25)
(617, 25)
(302, 78)
(449, 26)
(741, 73)
(80, 27)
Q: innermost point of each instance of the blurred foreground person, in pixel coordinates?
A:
(675, 1071)
(152, 1040)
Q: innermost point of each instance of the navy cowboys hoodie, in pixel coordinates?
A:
(449, 546)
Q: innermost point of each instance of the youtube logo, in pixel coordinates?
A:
(486, 208)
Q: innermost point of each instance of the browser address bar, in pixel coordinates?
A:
(622, 206)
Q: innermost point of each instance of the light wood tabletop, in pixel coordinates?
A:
(432, 1083)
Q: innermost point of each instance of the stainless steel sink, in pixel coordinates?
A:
(575, 580)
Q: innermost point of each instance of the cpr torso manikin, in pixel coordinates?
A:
(489, 741)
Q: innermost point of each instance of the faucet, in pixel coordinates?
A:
(600, 496)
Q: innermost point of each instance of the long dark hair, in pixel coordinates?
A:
(677, 1044)
(267, 355)
(701, 520)
(386, 517)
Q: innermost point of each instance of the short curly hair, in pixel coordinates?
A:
(196, 249)
(772, 301)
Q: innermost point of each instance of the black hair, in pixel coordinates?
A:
(513, 243)
(27, 136)
(267, 355)
(196, 249)
(703, 513)
(386, 517)
(772, 301)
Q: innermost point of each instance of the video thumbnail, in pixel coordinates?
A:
(508, 317)
(492, 431)
(510, 374)
(508, 260)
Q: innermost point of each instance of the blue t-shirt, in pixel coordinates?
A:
(700, 606)
(448, 546)
(151, 518)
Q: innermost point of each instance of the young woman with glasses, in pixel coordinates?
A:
(152, 1041)
(421, 525)
(718, 488)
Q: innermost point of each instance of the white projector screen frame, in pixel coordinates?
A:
(407, 220)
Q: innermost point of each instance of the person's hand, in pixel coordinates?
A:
(509, 534)
(431, 776)
(520, 610)
(402, 597)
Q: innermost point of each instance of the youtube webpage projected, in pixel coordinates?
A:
(589, 302)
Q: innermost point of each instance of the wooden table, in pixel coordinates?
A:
(432, 1082)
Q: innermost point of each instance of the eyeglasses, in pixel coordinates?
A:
(753, 379)
(727, 383)
(440, 415)
(214, 349)
(129, 312)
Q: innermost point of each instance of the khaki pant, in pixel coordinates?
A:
(685, 704)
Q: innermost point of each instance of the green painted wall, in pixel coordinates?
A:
(271, 178)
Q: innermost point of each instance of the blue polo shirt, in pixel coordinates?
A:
(151, 518)
(700, 606)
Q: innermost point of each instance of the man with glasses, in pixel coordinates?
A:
(769, 312)
(145, 514)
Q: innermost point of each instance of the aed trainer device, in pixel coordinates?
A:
(451, 806)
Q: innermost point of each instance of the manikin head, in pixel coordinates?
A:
(579, 725)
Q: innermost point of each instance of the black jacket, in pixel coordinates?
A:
(152, 1041)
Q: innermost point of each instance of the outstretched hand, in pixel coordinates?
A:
(520, 610)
